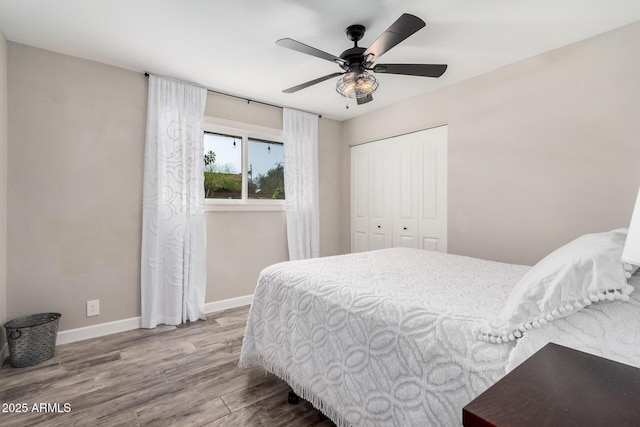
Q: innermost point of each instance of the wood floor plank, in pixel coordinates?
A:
(78, 364)
(8, 374)
(176, 376)
(179, 413)
(223, 337)
(197, 364)
(101, 406)
(16, 386)
(121, 419)
(273, 411)
(112, 342)
(56, 389)
(249, 395)
(151, 353)
(260, 413)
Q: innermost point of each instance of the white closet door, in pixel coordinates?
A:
(399, 192)
(407, 191)
(433, 206)
(360, 159)
(381, 183)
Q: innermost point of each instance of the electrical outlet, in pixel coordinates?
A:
(93, 307)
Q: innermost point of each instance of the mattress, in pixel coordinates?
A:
(382, 337)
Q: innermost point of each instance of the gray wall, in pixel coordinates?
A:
(540, 151)
(3, 185)
(76, 145)
(76, 149)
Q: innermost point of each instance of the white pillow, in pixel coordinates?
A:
(587, 270)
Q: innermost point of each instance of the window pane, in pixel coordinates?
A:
(222, 166)
(266, 169)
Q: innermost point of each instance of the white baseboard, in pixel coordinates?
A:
(99, 330)
(102, 329)
(4, 353)
(225, 304)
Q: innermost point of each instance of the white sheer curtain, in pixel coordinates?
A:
(173, 271)
(301, 183)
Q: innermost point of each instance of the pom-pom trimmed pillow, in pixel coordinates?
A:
(586, 270)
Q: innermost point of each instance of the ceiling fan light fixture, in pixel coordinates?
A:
(356, 84)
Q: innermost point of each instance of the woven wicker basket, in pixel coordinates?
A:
(32, 339)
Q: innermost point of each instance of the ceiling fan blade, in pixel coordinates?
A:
(423, 70)
(365, 99)
(400, 30)
(303, 48)
(311, 83)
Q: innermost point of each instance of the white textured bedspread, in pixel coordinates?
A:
(609, 329)
(381, 338)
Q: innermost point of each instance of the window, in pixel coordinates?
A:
(266, 169)
(222, 166)
(243, 169)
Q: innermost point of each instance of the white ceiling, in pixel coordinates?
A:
(229, 46)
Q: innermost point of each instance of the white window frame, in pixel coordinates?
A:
(244, 131)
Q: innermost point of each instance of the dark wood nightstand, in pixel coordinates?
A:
(559, 386)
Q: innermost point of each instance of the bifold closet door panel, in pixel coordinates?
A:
(382, 179)
(407, 191)
(433, 191)
(360, 159)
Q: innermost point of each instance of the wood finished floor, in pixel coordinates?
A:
(168, 376)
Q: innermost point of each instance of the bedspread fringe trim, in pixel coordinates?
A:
(563, 310)
(303, 392)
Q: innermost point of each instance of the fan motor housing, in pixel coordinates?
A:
(353, 56)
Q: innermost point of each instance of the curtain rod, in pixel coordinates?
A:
(247, 99)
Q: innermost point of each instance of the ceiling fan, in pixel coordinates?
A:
(356, 81)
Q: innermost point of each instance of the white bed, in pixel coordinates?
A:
(373, 338)
(387, 337)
